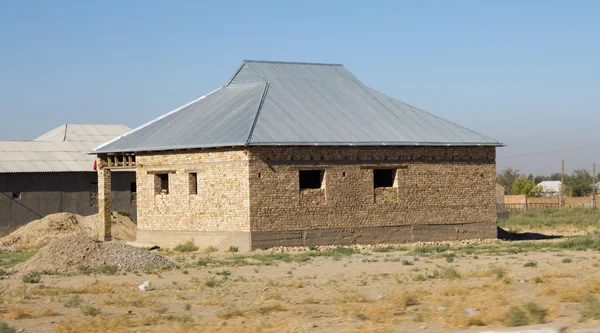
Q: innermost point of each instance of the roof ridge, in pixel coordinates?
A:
(260, 105)
(292, 62)
(433, 115)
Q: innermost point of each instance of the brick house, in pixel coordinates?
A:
(292, 154)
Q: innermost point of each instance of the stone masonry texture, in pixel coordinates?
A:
(438, 193)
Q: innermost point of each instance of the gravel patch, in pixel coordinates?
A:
(72, 254)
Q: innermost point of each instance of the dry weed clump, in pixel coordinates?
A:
(476, 305)
(496, 271)
(249, 312)
(405, 299)
(570, 292)
(127, 300)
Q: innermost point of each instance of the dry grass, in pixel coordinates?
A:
(26, 313)
(489, 301)
(127, 300)
(249, 312)
(96, 288)
(570, 292)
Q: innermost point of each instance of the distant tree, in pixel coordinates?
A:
(578, 183)
(524, 185)
(506, 178)
(554, 176)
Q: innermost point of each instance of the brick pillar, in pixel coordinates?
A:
(104, 198)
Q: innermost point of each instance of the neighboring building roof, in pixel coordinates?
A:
(63, 149)
(84, 133)
(550, 186)
(282, 103)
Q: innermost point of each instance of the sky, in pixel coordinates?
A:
(526, 73)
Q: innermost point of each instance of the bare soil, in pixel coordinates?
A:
(396, 291)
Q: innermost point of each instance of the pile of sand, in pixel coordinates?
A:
(38, 233)
(77, 253)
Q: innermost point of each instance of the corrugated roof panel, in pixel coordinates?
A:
(223, 118)
(56, 155)
(302, 104)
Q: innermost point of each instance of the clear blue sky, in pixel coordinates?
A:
(524, 72)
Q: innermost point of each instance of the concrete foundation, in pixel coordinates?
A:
(203, 239)
(248, 241)
(375, 235)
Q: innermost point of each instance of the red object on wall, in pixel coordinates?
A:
(95, 165)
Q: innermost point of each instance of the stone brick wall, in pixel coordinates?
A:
(250, 193)
(221, 202)
(435, 185)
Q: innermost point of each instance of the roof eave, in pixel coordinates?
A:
(306, 144)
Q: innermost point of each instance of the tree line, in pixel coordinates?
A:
(576, 184)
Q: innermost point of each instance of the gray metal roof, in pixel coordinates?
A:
(282, 103)
(63, 149)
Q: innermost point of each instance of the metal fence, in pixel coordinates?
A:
(525, 206)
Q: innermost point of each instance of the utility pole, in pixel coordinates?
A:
(594, 186)
(562, 186)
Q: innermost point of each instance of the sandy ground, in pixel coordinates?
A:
(368, 292)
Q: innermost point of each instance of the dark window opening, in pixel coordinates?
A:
(384, 177)
(163, 186)
(16, 195)
(259, 175)
(133, 187)
(193, 183)
(311, 178)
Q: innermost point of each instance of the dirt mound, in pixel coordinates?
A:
(76, 253)
(38, 233)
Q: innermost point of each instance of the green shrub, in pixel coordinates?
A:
(361, 316)
(384, 249)
(449, 257)
(204, 261)
(32, 277)
(188, 246)
(530, 313)
(89, 310)
(419, 278)
(211, 283)
(223, 272)
(233, 249)
(407, 263)
(210, 249)
(590, 308)
(567, 260)
(499, 272)
(449, 273)
(109, 269)
(123, 212)
(530, 264)
(536, 313)
(5, 328)
(515, 316)
(73, 302)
